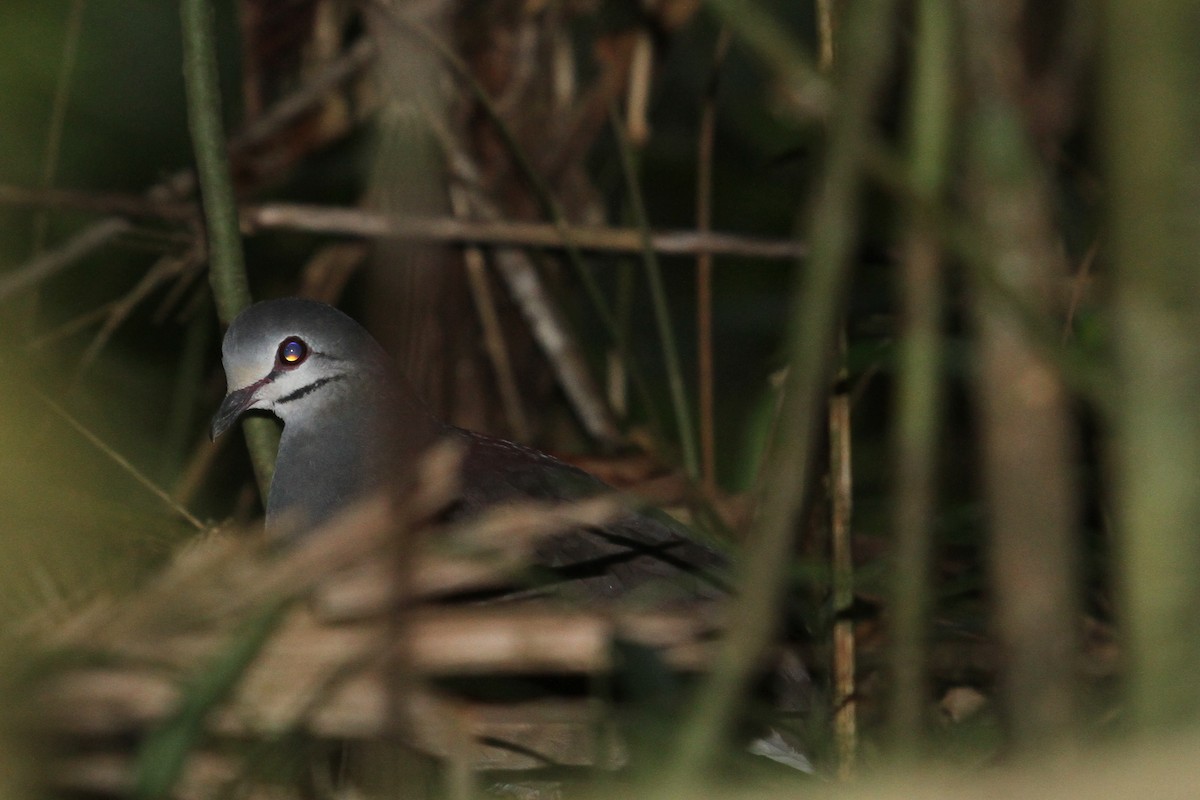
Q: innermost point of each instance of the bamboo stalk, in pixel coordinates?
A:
(227, 268)
(1153, 157)
(816, 308)
(1027, 430)
(918, 390)
(493, 333)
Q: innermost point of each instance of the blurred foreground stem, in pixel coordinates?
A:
(1152, 71)
(1028, 433)
(816, 308)
(918, 389)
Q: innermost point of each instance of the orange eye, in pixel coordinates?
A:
(292, 352)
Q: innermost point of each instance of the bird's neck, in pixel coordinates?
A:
(365, 440)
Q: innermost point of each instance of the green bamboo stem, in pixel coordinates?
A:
(918, 391)
(1027, 431)
(162, 754)
(1152, 68)
(227, 269)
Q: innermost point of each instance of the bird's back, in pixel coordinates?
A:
(640, 551)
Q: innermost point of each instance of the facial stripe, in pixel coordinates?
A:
(308, 389)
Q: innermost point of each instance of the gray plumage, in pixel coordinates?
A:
(353, 425)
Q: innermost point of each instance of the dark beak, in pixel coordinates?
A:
(231, 408)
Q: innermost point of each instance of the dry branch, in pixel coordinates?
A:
(328, 667)
(373, 224)
(357, 222)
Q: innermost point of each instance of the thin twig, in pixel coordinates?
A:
(125, 205)
(549, 329)
(546, 323)
(618, 355)
(324, 275)
(72, 326)
(70, 252)
(373, 224)
(166, 268)
(300, 103)
(494, 343)
(173, 298)
(358, 222)
(58, 114)
(637, 95)
(121, 461)
(686, 431)
(1079, 284)
(704, 264)
(841, 502)
(493, 333)
(292, 108)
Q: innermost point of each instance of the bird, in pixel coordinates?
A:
(353, 425)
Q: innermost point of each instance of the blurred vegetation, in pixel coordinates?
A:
(998, 206)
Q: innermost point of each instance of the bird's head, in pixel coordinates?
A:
(291, 357)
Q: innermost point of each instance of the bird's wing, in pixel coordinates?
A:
(643, 551)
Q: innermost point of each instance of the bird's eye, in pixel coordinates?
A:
(292, 352)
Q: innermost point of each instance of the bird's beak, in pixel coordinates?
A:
(231, 408)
